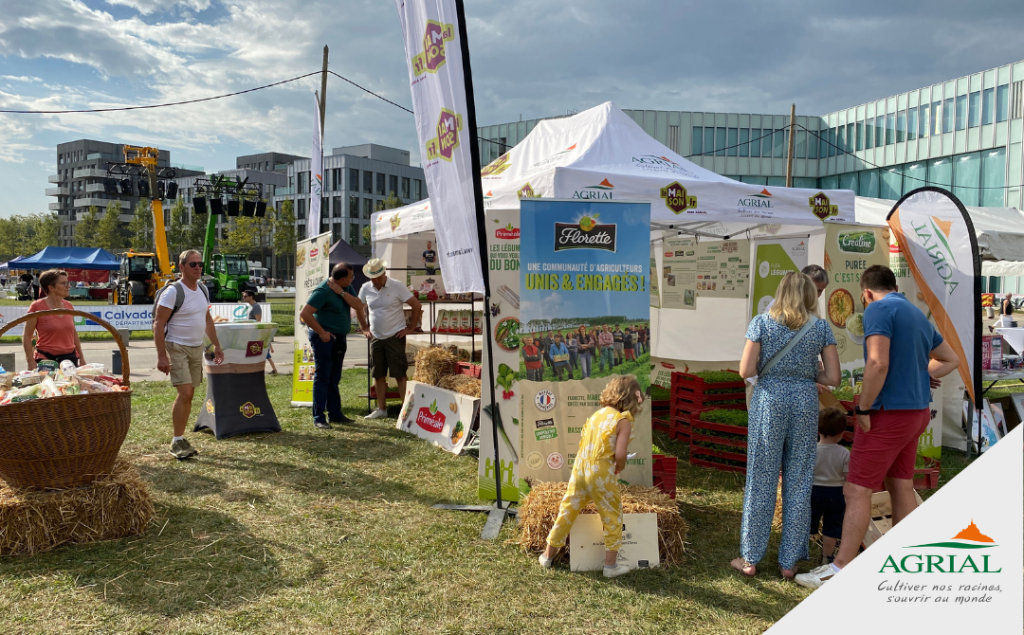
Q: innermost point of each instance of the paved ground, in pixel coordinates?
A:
(142, 355)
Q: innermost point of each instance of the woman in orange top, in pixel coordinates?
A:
(56, 337)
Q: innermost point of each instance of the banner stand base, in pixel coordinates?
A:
(495, 516)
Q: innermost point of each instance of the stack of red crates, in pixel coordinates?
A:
(661, 415)
(709, 432)
(665, 473)
(688, 394)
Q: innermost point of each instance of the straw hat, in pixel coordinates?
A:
(375, 267)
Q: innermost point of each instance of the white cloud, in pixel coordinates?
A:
(146, 7)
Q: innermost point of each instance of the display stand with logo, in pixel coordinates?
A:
(236, 390)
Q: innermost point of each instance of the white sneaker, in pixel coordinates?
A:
(816, 577)
(377, 414)
(617, 570)
(545, 561)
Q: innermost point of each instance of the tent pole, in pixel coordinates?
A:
(792, 131)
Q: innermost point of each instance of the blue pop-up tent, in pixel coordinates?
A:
(71, 258)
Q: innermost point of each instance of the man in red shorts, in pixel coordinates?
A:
(904, 356)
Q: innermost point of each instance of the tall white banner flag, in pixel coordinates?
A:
(315, 174)
(937, 238)
(439, 97)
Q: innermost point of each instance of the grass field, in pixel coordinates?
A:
(332, 531)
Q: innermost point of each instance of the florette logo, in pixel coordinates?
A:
(395, 222)
(497, 166)
(248, 410)
(676, 198)
(443, 145)
(822, 207)
(969, 539)
(761, 200)
(602, 190)
(586, 234)
(527, 192)
(934, 237)
(508, 232)
(430, 419)
(433, 55)
(254, 348)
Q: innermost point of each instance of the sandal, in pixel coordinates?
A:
(742, 566)
(787, 574)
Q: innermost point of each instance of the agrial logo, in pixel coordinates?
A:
(432, 57)
(969, 540)
(443, 145)
(602, 190)
(934, 237)
(676, 198)
(656, 163)
(761, 200)
(822, 207)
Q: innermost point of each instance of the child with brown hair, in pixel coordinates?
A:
(604, 442)
(828, 506)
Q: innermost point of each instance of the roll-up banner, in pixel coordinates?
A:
(442, 99)
(773, 259)
(312, 264)
(585, 299)
(937, 238)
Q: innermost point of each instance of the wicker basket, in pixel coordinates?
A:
(65, 441)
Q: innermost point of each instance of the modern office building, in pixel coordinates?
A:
(356, 180)
(963, 134)
(79, 182)
(267, 162)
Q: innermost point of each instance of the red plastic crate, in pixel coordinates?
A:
(473, 370)
(662, 425)
(717, 466)
(696, 437)
(927, 477)
(685, 382)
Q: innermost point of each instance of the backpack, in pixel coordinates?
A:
(179, 299)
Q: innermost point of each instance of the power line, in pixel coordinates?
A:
(743, 143)
(367, 90)
(173, 103)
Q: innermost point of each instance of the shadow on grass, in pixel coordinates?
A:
(190, 559)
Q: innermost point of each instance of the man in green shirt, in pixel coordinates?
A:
(328, 320)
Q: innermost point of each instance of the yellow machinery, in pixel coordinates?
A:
(143, 274)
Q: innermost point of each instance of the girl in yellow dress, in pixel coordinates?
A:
(602, 455)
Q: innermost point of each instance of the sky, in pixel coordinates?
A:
(531, 58)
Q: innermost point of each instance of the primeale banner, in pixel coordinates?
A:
(583, 281)
(440, 416)
(312, 265)
(773, 259)
(503, 264)
(938, 242)
(438, 76)
(849, 250)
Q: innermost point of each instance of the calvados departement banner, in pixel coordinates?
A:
(584, 267)
(442, 105)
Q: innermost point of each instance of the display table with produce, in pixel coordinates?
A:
(236, 390)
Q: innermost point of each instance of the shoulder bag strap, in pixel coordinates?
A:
(789, 346)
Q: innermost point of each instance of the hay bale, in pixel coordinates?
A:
(432, 364)
(33, 521)
(461, 384)
(538, 510)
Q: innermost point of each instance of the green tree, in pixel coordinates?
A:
(140, 229)
(85, 230)
(195, 236)
(42, 231)
(391, 201)
(178, 229)
(109, 232)
(12, 237)
(366, 235)
(284, 236)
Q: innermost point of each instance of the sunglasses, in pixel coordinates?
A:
(194, 264)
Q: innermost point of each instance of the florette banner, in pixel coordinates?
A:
(442, 105)
(937, 238)
(584, 268)
(312, 264)
(315, 174)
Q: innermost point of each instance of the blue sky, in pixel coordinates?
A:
(531, 58)
(633, 230)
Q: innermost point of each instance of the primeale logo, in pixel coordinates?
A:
(602, 190)
(497, 166)
(822, 207)
(432, 57)
(950, 556)
(527, 192)
(248, 410)
(443, 145)
(431, 418)
(508, 232)
(676, 198)
(934, 237)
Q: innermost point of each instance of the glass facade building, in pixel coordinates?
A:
(964, 134)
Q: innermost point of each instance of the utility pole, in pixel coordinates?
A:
(792, 138)
(323, 91)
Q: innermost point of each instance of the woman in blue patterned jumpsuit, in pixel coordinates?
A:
(783, 428)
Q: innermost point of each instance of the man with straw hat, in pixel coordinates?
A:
(384, 298)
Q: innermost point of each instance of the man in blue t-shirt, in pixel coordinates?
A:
(327, 316)
(904, 357)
